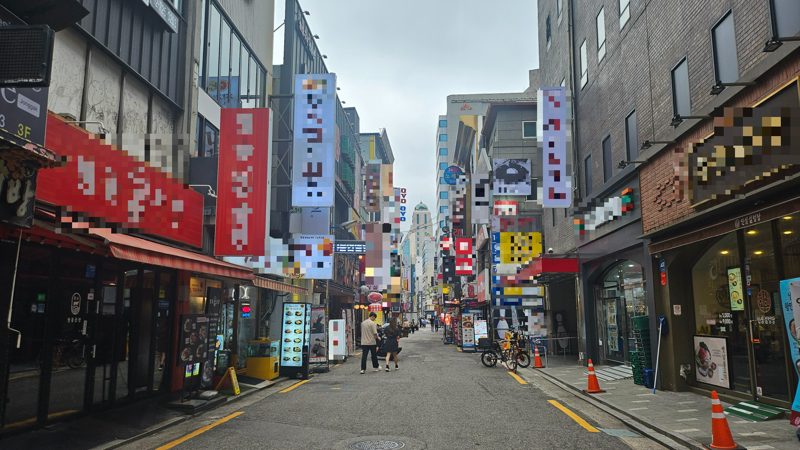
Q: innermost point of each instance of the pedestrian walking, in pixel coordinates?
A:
(437, 324)
(392, 343)
(369, 342)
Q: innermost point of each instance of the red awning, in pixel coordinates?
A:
(266, 283)
(140, 250)
(549, 268)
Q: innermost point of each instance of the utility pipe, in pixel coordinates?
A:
(14, 285)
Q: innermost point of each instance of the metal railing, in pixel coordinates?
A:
(545, 348)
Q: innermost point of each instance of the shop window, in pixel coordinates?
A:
(621, 298)
(789, 233)
(207, 145)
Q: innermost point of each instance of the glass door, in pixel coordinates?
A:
(104, 336)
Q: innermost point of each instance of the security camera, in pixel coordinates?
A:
(550, 251)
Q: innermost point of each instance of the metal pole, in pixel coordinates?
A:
(655, 375)
(13, 286)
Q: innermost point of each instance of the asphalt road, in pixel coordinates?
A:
(439, 399)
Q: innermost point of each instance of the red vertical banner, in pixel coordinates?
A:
(243, 182)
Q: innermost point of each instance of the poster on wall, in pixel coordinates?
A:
(318, 351)
(193, 342)
(790, 305)
(296, 332)
(711, 361)
(613, 333)
(735, 289)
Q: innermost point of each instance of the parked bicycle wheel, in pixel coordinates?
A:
(76, 357)
(489, 358)
(510, 360)
(523, 359)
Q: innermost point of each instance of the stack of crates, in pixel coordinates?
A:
(641, 358)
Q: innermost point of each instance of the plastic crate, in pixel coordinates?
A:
(641, 323)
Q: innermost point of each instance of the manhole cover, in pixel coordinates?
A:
(378, 444)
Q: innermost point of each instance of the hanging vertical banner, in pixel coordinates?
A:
(314, 136)
(318, 352)
(373, 186)
(243, 182)
(481, 190)
(554, 141)
(400, 200)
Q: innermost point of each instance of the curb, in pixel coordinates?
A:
(645, 426)
(178, 420)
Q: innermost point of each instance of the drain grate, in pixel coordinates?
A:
(377, 444)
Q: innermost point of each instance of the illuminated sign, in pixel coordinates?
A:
(350, 247)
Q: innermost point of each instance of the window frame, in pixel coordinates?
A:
(587, 174)
(675, 112)
(624, 13)
(635, 147)
(601, 46)
(443, 137)
(584, 64)
(442, 121)
(523, 129)
(442, 166)
(608, 163)
(440, 151)
(715, 54)
(443, 195)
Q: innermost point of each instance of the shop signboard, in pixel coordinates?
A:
(553, 144)
(662, 267)
(193, 341)
(100, 186)
(295, 333)
(711, 356)
(317, 342)
(337, 339)
(451, 175)
(481, 285)
(512, 177)
(481, 192)
(17, 192)
(243, 182)
(314, 136)
(468, 331)
(735, 289)
(790, 304)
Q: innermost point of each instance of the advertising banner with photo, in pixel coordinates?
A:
(553, 144)
(193, 340)
(711, 356)
(735, 289)
(295, 333)
(243, 182)
(313, 167)
(318, 351)
(790, 305)
(481, 193)
(480, 329)
(512, 177)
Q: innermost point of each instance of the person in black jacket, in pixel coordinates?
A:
(392, 341)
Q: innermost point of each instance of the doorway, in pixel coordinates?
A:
(620, 296)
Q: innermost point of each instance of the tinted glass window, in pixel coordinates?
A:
(632, 136)
(680, 90)
(607, 164)
(726, 64)
(587, 172)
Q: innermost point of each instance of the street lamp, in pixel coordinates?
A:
(774, 42)
(720, 86)
(678, 119)
(648, 144)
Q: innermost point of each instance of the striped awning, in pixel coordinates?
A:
(266, 283)
(140, 250)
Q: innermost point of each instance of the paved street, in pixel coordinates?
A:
(439, 399)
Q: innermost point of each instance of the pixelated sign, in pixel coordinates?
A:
(481, 191)
(301, 256)
(451, 174)
(400, 199)
(519, 223)
(373, 185)
(505, 208)
(512, 177)
(553, 138)
(99, 186)
(591, 215)
(17, 193)
(243, 182)
(378, 264)
(314, 140)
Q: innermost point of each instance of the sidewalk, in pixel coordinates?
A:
(683, 416)
(116, 427)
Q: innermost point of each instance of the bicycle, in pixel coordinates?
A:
(513, 356)
(67, 352)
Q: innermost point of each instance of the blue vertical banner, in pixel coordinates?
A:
(791, 289)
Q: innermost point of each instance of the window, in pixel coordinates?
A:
(442, 165)
(553, 215)
(442, 138)
(529, 130)
(230, 74)
(534, 193)
(785, 17)
(584, 65)
(607, 168)
(723, 44)
(564, 82)
(443, 194)
(624, 12)
(559, 4)
(566, 212)
(587, 172)
(601, 34)
(443, 210)
(426, 219)
(441, 224)
(632, 136)
(680, 90)
(442, 124)
(443, 151)
(207, 139)
(547, 31)
(441, 181)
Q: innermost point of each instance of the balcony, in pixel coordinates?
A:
(348, 154)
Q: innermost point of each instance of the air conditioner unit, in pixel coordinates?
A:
(26, 55)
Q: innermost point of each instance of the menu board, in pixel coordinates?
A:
(735, 289)
(480, 329)
(193, 343)
(468, 331)
(296, 332)
(711, 361)
(213, 304)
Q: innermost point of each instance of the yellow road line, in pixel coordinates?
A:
(32, 421)
(199, 431)
(517, 377)
(574, 416)
(293, 386)
(24, 376)
(459, 348)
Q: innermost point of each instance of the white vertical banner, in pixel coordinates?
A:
(314, 144)
(554, 143)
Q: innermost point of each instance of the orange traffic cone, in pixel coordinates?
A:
(720, 433)
(537, 361)
(594, 386)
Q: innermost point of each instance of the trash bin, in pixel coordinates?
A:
(647, 378)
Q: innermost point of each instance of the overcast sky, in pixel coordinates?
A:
(397, 62)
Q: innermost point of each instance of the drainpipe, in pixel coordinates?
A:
(13, 285)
